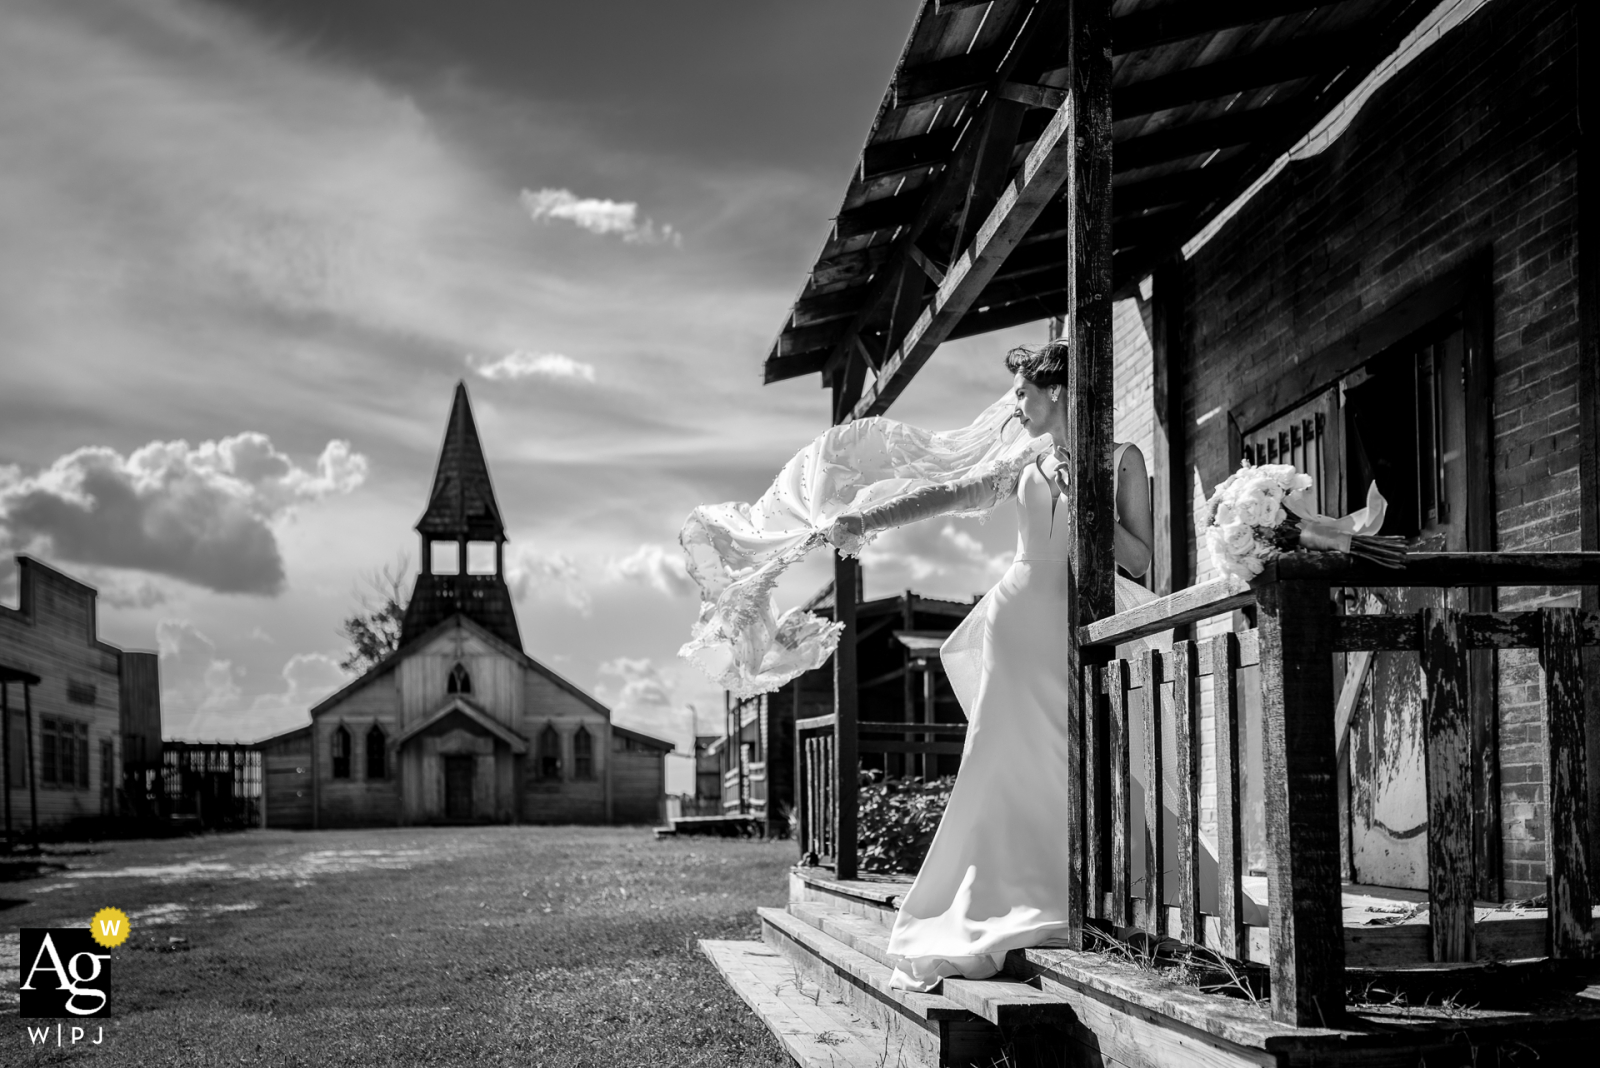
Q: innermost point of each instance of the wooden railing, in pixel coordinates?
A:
(823, 788)
(1293, 643)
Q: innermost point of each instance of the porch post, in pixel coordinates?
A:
(1305, 910)
(845, 759)
(1091, 579)
(33, 771)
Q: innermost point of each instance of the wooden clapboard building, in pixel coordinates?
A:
(1353, 235)
(459, 724)
(80, 719)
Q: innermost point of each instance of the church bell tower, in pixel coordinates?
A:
(463, 540)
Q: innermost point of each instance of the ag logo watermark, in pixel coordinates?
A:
(65, 971)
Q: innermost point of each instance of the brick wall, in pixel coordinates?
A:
(1470, 150)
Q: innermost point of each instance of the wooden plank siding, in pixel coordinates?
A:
(53, 634)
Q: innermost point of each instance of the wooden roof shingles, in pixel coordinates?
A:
(1205, 96)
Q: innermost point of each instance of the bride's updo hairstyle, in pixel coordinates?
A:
(1044, 366)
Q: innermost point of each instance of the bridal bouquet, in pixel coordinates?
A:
(1259, 512)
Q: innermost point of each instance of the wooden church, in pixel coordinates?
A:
(459, 724)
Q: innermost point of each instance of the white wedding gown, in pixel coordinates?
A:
(996, 876)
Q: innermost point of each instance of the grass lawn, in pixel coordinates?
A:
(520, 946)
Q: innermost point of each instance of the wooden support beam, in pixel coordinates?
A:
(1305, 914)
(1048, 97)
(1013, 214)
(845, 697)
(934, 272)
(1177, 21)
(1447, 756)
(1306, 57)
(1567, 792)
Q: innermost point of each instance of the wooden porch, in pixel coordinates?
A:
(1036, 160)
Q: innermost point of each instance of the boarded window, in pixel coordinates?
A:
(444, 558)
(583, 754)
(377, 744)
(460, 681)
(63, 753)
(80, 693)
(549, 753)
(341, 753)
(480, 558)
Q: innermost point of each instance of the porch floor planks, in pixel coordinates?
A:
(1384, 927)
(1005, 1002)
(816, 1030)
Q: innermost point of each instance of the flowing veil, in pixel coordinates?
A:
(736, 552)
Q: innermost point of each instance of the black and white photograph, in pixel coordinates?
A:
(772, 534)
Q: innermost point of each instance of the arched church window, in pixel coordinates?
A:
(341, 753)
(549, 753)
(583, 754)
(460, 681)
(377, 745)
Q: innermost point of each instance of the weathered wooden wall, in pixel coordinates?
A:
(286, 780)
(52, 633)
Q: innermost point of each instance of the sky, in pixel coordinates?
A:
(249, 247)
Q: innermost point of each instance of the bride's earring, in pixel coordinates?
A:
(1055, 394)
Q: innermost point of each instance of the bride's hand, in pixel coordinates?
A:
(846, 530)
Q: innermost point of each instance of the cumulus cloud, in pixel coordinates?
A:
(660, 568)
(203, 696)
(641, 697)
(194, 678)
(546, 576)
(203, 513)
(520, 364)
(597, 216)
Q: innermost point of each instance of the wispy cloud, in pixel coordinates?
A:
(203, 513)
(598, 216)
(520, 364)
(202, 694)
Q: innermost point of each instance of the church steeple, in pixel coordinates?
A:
(462, 503)
(463, 539)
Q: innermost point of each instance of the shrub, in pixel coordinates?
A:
(896, 821)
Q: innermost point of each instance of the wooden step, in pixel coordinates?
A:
(816, 1030)
(1008, 1003)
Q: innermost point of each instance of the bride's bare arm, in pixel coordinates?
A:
(1135, 533)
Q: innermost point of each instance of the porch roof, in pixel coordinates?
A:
(482, 719)
(1205, 96)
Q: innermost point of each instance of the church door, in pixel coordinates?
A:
(458, 787)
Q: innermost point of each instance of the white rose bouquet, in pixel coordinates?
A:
(1259, 512)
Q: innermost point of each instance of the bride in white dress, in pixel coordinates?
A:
(996, 876)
